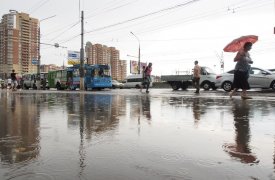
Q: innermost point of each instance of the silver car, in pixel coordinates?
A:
(116, 84)
(272, 70)
(258, 78)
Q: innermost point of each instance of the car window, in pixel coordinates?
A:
(207, 70)
(256, 71)
(231, 72)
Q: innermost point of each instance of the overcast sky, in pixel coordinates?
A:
(172, 33)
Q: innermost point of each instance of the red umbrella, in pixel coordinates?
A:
(237, 44)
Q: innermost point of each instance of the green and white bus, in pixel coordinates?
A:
(58, 79)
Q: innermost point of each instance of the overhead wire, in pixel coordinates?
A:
(69, 39)
(201, 17)
(112, 9)
(122, 23)
(192, 18)
(143, 16)
(113, 25)
(39, 6)
(140, 17)
(71, 26)
(62, 28)
(63, 32)
(108, 5)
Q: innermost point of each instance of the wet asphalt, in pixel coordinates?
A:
(125, 134)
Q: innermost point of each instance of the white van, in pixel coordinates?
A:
(135, 81)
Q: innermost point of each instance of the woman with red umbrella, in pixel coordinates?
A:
(242, 69)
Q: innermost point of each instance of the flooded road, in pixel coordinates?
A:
(133, 136)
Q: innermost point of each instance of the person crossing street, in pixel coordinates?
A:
(13, 80)
(197, 76)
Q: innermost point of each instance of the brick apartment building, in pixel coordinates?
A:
(101, 54)
(19, 42)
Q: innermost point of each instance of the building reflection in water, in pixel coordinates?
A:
(19, 128)
(241, 150)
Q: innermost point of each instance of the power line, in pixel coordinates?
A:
(112, 9)
(39, 6)
(143, 16)
(110, 5)
(200, 16)
(62, 28)
(69, 39)
(157, 27)
(63, 32)
(133, 19)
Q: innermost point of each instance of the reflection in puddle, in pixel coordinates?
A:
(103, 136)
(241, 149)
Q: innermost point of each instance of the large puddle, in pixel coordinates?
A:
(132, 137)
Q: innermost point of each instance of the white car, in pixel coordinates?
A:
(258, 78)
(135, 81)
(272, 70)
(116, 84)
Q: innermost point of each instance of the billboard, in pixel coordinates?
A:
(73, 57)
(134, 66)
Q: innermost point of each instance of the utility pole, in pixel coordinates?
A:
(38, 82)
(138, 51)
(82, 54)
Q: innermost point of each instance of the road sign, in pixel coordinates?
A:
(35, 62)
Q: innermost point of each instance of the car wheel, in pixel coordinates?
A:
(175, 86)
(184, 86)
(113, 86)
(206, 86)
(273, 85)
(138, 86)
(227, 86)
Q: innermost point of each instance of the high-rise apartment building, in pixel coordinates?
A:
(101, 54)
(19, 42)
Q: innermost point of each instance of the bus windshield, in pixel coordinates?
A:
(101, 71)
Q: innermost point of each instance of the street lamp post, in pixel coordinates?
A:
(39, 56)
(138, 52)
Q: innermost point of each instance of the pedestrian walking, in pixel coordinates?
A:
(143, 83)
(242, 70)
(13, 80)
(148, 71)
(197, 76)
